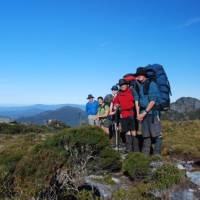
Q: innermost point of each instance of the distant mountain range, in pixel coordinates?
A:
(72, 116)
(185, 108)
(16, 112)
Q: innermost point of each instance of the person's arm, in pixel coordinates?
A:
(97, 116)
(112, 109)
(116, 102)
(137, 107)
(150, 106)
(153, 92)
(153, 95)
(148, 109)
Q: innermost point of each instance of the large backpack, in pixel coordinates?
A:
(108, 99)
(131, 79)
(157, 74)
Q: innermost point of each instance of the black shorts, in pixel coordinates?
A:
(128, 124)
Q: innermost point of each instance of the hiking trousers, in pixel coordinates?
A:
(152, 134)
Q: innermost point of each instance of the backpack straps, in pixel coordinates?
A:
(147, 86)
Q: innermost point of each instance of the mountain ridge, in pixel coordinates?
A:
(16, 112)
(183, 109)
(186, 105)
(69, 115)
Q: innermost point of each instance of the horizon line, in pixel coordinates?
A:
(53, 104)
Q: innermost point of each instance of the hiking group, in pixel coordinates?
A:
(132, 113)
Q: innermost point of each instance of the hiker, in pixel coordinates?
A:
(102, 115)
(114, 116)
(125, 102)
(133, 84)
(147, 114)
(91, 110)
(114, 90)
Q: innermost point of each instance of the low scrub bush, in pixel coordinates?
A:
(167, 176)
(110, 160)
(136, 165)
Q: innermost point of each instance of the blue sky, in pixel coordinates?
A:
(58, 51)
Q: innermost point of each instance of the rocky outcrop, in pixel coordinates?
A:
(186, 105)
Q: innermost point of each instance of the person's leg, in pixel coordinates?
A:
(146, 146)
(146, 134)
(129, 142)
(140, 141)
(122, 135)
(105, 129)
(134, 128)
(90, 120)
(156, 130)
(111, 131)
(128, 134)
(157, 145)
(139, 135)
(136, 143)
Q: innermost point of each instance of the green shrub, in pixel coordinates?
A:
(110, 160)
(85, 136)
(141, 191)
(21, 129)
(68, 149)
(167, 176)
(34, 172)
(136, 165)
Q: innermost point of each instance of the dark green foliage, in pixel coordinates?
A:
(136, 165)
(141, 191)
(110, 160)
(8, 161)
(194, 115)
(176, 116)
(85, 136)
(37, 169)
(21, 129)
(33, 168)
(167, 176)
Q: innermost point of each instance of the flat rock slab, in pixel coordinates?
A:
(194, 177)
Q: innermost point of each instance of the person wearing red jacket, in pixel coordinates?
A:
(125, 102)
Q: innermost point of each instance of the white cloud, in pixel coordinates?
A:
(190, 22)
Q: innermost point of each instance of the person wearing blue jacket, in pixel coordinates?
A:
(147, 113)
(91, 110)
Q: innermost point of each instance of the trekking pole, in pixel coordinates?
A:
(116, 137)
(116, 130)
